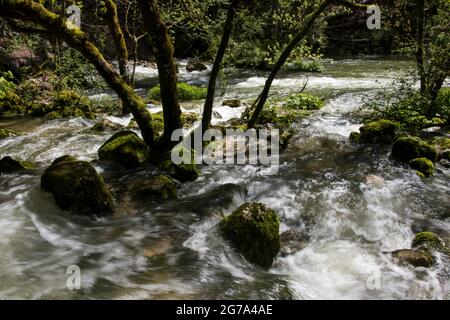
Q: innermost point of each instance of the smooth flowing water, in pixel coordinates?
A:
(353, 203)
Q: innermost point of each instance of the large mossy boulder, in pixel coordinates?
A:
(182, 172)
(126, 148)
(253, 229)
(77, 187)
(376, 132)
(406, 149)
(423, 167)
(9, 165)
(416, 258)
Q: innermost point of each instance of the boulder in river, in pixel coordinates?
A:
(77, 187)
(408, 148)
(416, 258)
(156, 187)
(126, 148)
(182, 172)
(423, 167)
(106, 125)
(9, 165)
(233, 103)
(377, 132)
(253, 229)
(195, 65)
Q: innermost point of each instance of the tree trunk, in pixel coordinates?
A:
(27, 10)
(209, 102)
(167, 71)
(112, 19)
(419, 45)
(260, 102)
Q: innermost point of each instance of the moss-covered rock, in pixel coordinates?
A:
(428, 240)
(423, 166)
(126, 148)
(186, 92)
(8, 165)
(416, 258)
(406, 149)
(77, 187)
(182, 172)
(6, 133)
(303, 101)
(355, 137)
(189, 118)
(11, 104)
(253, 229)
(157, 187)
(378, 132)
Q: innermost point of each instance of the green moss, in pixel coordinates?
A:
(355, 137)
(379, 132)
(182, 172)
(304, 101)
(77, 187)
(423, 166)
(8, 165)
(189, 118)
(428, 240)
(406, 149)
(124, 147)
(253, 229)
(186, 92)
(6, 133)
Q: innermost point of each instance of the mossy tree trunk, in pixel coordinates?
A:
(209, 102)
(30, 11)
(112, 20)
(167, 71)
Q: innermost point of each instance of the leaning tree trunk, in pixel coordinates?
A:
(26, 10)
(167, 71)
(209, 102)
(112, 20)
(262, 98)
(261, 101)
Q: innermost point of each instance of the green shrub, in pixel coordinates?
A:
(304, 101)
(5, 84)
(186, 92)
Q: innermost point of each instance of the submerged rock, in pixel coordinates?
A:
(182, 172)
(9, 165)
(416, 258)
(106, 125)
(77, 187)
(423, 166)
(253, 229)
(195, 65)
(378, 132)
(234, 103)
(126, 148)
(156, 187)
(293, 241)
(406, 149)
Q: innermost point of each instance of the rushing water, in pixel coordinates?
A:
(352, 201)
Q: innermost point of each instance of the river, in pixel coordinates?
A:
(353, 203)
